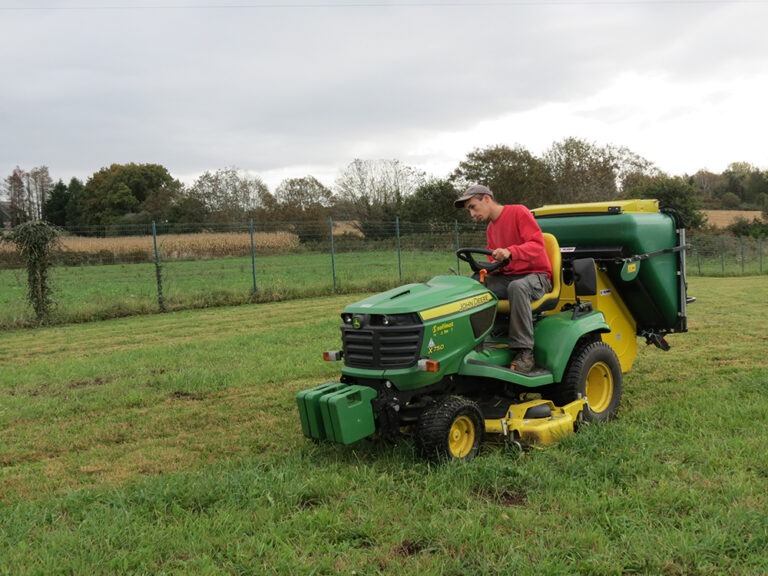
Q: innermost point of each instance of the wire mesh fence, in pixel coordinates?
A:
(726, 255)
(160, 267)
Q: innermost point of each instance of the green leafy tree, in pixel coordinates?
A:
(305, 202)
(121, 189)
(756, 189)
(35, 241)
(763, 203)
(73, 217)
(706, 184)
(55, 207)
(756, 229)
(303, 198)
(732, 191)
(189, 214)
(730, 201)
(513, 174)
(119, 201)
(432, 203)
(676, 194)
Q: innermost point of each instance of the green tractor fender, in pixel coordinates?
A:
(556, 336)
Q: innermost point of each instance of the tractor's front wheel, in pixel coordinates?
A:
(452, 429)
(593, 372)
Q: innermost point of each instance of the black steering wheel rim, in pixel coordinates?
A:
(468, 255)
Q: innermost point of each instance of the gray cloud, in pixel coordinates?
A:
(268, 88)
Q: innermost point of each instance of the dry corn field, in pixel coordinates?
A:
(724, 218)
(176, 246)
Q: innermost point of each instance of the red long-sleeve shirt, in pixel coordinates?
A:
(517, 230)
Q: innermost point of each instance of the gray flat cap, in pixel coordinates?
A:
(476, 190)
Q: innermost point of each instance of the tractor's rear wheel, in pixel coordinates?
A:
(593, 372)
(452, 429)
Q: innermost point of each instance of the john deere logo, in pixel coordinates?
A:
(356, 323)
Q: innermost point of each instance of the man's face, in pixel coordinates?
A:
(479, 208)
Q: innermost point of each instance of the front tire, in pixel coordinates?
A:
(593, 372)
(452, 429)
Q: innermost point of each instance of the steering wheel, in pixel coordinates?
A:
(468, 256)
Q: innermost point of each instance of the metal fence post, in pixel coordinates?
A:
(722, 255)
(399, 257)
(741, 245)
(456, 233)
(253, 255)
(158, 271)
(333, 256)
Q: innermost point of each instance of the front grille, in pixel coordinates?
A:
(381, 347)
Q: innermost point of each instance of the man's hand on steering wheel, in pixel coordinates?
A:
(468, 256)
(501, 255)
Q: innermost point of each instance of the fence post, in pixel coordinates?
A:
(253, 256)
(399, 257)
(456, 233)
(741, 245)
(333, 256)
(158, 271)
(722, 255)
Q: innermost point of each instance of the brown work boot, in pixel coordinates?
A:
(523, 362)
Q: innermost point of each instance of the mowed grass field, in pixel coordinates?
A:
(170, 444)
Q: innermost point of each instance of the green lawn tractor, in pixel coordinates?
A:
(431, 359)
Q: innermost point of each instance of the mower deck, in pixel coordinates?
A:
(536, 422)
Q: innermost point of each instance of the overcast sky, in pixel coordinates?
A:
(296, 88)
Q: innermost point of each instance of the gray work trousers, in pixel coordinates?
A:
(521, 290)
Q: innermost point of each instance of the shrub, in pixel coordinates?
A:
(35, 242)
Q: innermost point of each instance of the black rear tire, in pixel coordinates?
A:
(452, 429)
(593, 372)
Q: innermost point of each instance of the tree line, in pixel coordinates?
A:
(118, 199)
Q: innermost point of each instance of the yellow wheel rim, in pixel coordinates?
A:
(461, 437)
(599, 387)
